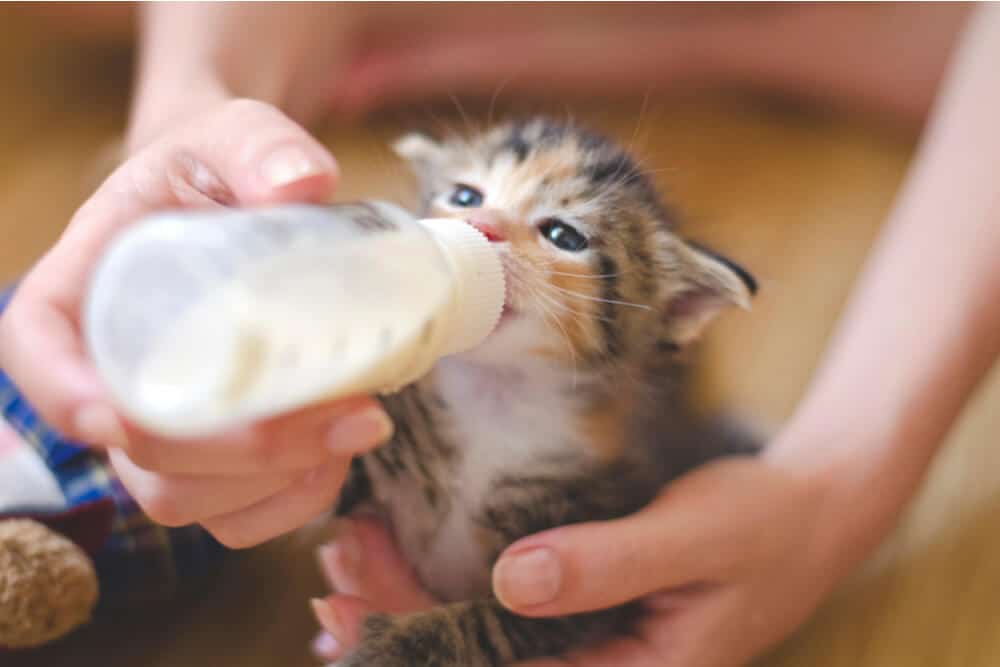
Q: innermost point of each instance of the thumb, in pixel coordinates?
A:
(684, 537)
(244, 152)
(257, 155)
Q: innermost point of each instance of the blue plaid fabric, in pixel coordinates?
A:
(141, 561)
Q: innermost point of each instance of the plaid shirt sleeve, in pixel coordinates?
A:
(141, 561)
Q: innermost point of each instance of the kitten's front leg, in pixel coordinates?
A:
(480, 633)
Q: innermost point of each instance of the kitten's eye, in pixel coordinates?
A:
(562, 235)
(466, 196)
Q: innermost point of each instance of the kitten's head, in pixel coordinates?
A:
(595, 273)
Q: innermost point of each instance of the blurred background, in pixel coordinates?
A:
(794, 194)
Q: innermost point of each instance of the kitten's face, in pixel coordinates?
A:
(594, 273)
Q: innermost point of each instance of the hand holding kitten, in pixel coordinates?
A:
(726, 560)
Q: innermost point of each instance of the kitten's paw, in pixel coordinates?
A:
(414, 641)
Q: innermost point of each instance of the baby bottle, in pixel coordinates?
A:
(201, 320)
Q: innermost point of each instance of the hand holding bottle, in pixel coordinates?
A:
(253, 482)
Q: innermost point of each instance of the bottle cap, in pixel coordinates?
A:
(480, 285)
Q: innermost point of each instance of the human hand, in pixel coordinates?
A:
(244, 486)
(729, 560)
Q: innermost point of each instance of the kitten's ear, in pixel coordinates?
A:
(706, 283)
(418, 149)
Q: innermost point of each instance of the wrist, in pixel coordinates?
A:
(197, 55)
(861, 475)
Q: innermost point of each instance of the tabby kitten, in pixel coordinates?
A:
(572, 410)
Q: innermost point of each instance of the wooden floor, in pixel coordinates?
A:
(795, 198)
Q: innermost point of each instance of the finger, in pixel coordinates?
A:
(178, 500)
(681, 538)
(342, 616)
(215, 162)
(383, 577)
(325, 647)
(41, 352)
(296, 442)
(292, 508)
(277, 160)
(243, 153)
(583, 568)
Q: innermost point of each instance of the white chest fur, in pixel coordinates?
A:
(501, 422)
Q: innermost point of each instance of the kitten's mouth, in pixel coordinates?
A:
(508, 312)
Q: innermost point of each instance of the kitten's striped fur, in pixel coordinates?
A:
(573, 410)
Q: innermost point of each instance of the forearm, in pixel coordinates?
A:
(195, 55)
(924, 325)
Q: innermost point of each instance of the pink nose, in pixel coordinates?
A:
(489, 223)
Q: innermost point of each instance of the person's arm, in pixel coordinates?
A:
(924, 325)
(192, 56)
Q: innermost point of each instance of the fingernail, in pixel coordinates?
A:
(98, 425)
(527, 579)
(364, 429)
(342, 557)
(290, 164)
(334, 566)
(325, 646)
(327, 617)
(348, 553)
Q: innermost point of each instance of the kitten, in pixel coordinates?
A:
(572, 410)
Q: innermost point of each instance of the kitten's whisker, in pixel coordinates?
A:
(658, 170)
(578, 295)
(493, 99)
(545, 262)
(538, 291)
(585, 276)
(570, 116)
(579, 316)
(547, 315)
(470, 128)
(447, 129)
(638, 122)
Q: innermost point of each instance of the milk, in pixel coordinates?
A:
(201, 321)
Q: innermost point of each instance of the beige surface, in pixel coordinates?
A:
(796, 199)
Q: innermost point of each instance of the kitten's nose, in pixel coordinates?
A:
(490, 223)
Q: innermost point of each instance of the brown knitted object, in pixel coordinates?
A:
(47, 584)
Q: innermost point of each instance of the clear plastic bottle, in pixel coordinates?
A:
(198, 321)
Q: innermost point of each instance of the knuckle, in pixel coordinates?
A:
(54, 404)
(244, 109)
(142, 454)
(234, 534)
(160, 504)
(287, 448)
(317, 501)
(59, 411)
(192, 182)
(266, 452)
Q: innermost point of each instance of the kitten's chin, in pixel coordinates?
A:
(501, 346)
(515, 341)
